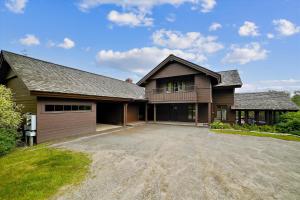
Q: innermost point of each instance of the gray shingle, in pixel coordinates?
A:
(230, 78)
(44, 76)
(271, 100)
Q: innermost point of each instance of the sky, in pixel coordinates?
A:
(126, 39)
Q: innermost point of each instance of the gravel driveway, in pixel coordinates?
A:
(177, 162)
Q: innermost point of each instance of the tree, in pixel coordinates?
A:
(296, 98)
(10, 119)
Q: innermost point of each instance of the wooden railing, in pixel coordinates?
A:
(188, 94)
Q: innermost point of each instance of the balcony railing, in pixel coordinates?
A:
(188, 94)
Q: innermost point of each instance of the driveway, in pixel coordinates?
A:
(178, 162)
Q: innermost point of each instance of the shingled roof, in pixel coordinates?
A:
(42, 76)
(271, 100)
(230, 78)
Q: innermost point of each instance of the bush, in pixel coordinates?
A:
(8, 138)
(10, 119)
(220, 125)
(289, 123)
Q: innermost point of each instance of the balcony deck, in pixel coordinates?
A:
(191, 94)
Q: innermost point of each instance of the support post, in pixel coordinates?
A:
(239, 117)
(196, 114)
(271, 117)
(256, 117)
(125, 114)
(246, 116)
(146, 112)
(267, 119)
(209, 113)
(154, 112)
(274, 117)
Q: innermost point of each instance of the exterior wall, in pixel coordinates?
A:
(150, 86)
(21, 94)
(203, 88)
(224, 97)
(132, 112)
(174, 69)
(56, 125)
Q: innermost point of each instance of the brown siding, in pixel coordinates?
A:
(203, 87)
(224, 97)
(174, 69)
(22, 95)
(132, 113)
(62, 124)
(203, 113)
(150, 86)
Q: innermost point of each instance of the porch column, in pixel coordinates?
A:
(271, 117)
(196, 114)
(146, 112)
(125, 114)
(239, 117)
(246, 116)
(256, 116)
(274, 117)
(209, 113)
(154, 112)
(267, 117)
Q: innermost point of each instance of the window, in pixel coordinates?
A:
(222, 113)
(67, 108)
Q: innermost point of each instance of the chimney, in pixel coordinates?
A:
(128, 80)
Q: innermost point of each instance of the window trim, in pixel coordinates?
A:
(66, 111)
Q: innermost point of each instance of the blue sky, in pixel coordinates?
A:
(260, 38)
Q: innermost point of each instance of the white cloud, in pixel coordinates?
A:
(290, 85)
(129, 19)
(171, 17)
(192, 41)
(248, 53)
(270, 35)
(285, 27)
(147, 5)
(67, 44)
(248, 29)
(141, 60)
(214, 26)
(16, 6)
(30, 40)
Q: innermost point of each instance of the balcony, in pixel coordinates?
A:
(188, 95)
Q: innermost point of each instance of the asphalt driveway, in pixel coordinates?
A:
(178, 162)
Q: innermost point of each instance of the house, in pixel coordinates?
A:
(70, 102)
(178, 90)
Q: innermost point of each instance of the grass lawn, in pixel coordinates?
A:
(39, 172)
(277, 136)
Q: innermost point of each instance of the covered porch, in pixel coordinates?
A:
(262, 108)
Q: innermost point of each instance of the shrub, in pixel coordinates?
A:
(289, 123)
(220, 125)
(8, 138)
(10, 119)
(267, 128)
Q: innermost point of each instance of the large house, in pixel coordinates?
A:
(69, 102)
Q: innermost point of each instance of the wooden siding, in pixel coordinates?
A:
(174, 69)
(132, 112)
(21, 94)
(223, 96)
(56, 125)
(203, 113)
(203, 87)
(151, 85)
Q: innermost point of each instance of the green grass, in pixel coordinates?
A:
(277, 136)
(39, 172)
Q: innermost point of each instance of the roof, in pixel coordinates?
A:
(42, 76)
(172, 58)
(230, 78)
(271, 100)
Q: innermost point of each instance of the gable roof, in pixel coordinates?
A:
(271, 100)
(43, 76)
(172, 58)
(230, 78)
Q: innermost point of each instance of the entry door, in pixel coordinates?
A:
(174, 112)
